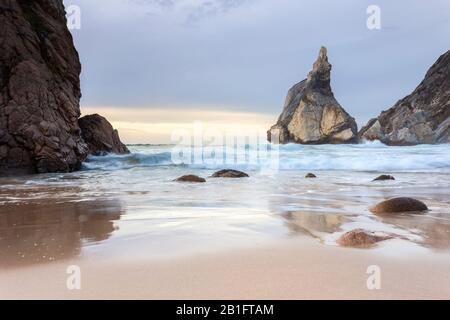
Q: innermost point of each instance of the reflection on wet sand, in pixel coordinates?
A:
(312, 223)
(434, 229)
(45, 230)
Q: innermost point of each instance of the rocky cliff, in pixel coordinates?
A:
(311, 114)
(422, 117)
(100, 136)
(39, 90)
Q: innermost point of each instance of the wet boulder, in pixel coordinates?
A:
(399, 205)
(230, 174)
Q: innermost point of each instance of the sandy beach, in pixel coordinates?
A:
(288, 269)
(135, 233)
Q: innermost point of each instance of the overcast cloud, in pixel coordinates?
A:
(243, 55)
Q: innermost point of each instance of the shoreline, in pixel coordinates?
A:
(286, 269)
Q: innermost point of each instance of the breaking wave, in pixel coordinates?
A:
(371, 156)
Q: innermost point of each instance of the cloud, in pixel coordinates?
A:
(246, 54)
(189, 11)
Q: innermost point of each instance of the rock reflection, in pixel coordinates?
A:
(313, 223)
(435, 229)
(39, 232)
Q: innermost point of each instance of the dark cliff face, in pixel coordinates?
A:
(422, 117)
(39, 89)
(100, 136)
(311, 114)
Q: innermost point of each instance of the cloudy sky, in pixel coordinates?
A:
(154, 65)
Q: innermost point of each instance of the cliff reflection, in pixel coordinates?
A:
(313, 223)
(39, 232)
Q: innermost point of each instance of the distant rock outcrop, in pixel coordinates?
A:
(100, 136)
(423, 117)
(39, 89)
(311, 113)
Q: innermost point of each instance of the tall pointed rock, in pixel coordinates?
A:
(311, 114)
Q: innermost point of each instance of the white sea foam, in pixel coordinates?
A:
(370, 156)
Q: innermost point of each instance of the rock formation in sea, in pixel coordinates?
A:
(423, 117)
(312, 114)
(100, 136)
(39, 90)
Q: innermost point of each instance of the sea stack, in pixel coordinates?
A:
(39, 90)
(423, 117)
(100, 136)
(311, 113)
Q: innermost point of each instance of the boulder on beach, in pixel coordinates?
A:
(360, 239)
(100, 136)
(399, 205)
(230, 174)
(191, 178)
(310, 176)
(423, 117)
(311, 113)
(384, 177)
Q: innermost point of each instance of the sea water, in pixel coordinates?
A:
(130, 204)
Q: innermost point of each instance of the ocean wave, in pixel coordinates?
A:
(371, 156)
(115, 162)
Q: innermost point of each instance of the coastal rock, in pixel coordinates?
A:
(311, 113)
(100, 136)
(360, 239)
(310, 176)
(230, 174)
(423, 117)
(399, 205)
(39, 90)
(191, 178)
(384, 177)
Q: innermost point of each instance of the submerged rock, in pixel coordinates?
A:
(310, 176)
(39, 90)
(360, 239)
(384, 177)
(399, 205)
(230, 174)
(191, 178)
(311, 113)
(422, 117)
(100, 136)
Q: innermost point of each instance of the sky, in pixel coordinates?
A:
(152, 66)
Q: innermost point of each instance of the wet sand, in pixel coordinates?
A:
(136, 233)
(288, 269)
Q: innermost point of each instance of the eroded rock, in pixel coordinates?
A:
(100, 136)
(423, 117)
(311, 114)
(39, 90)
